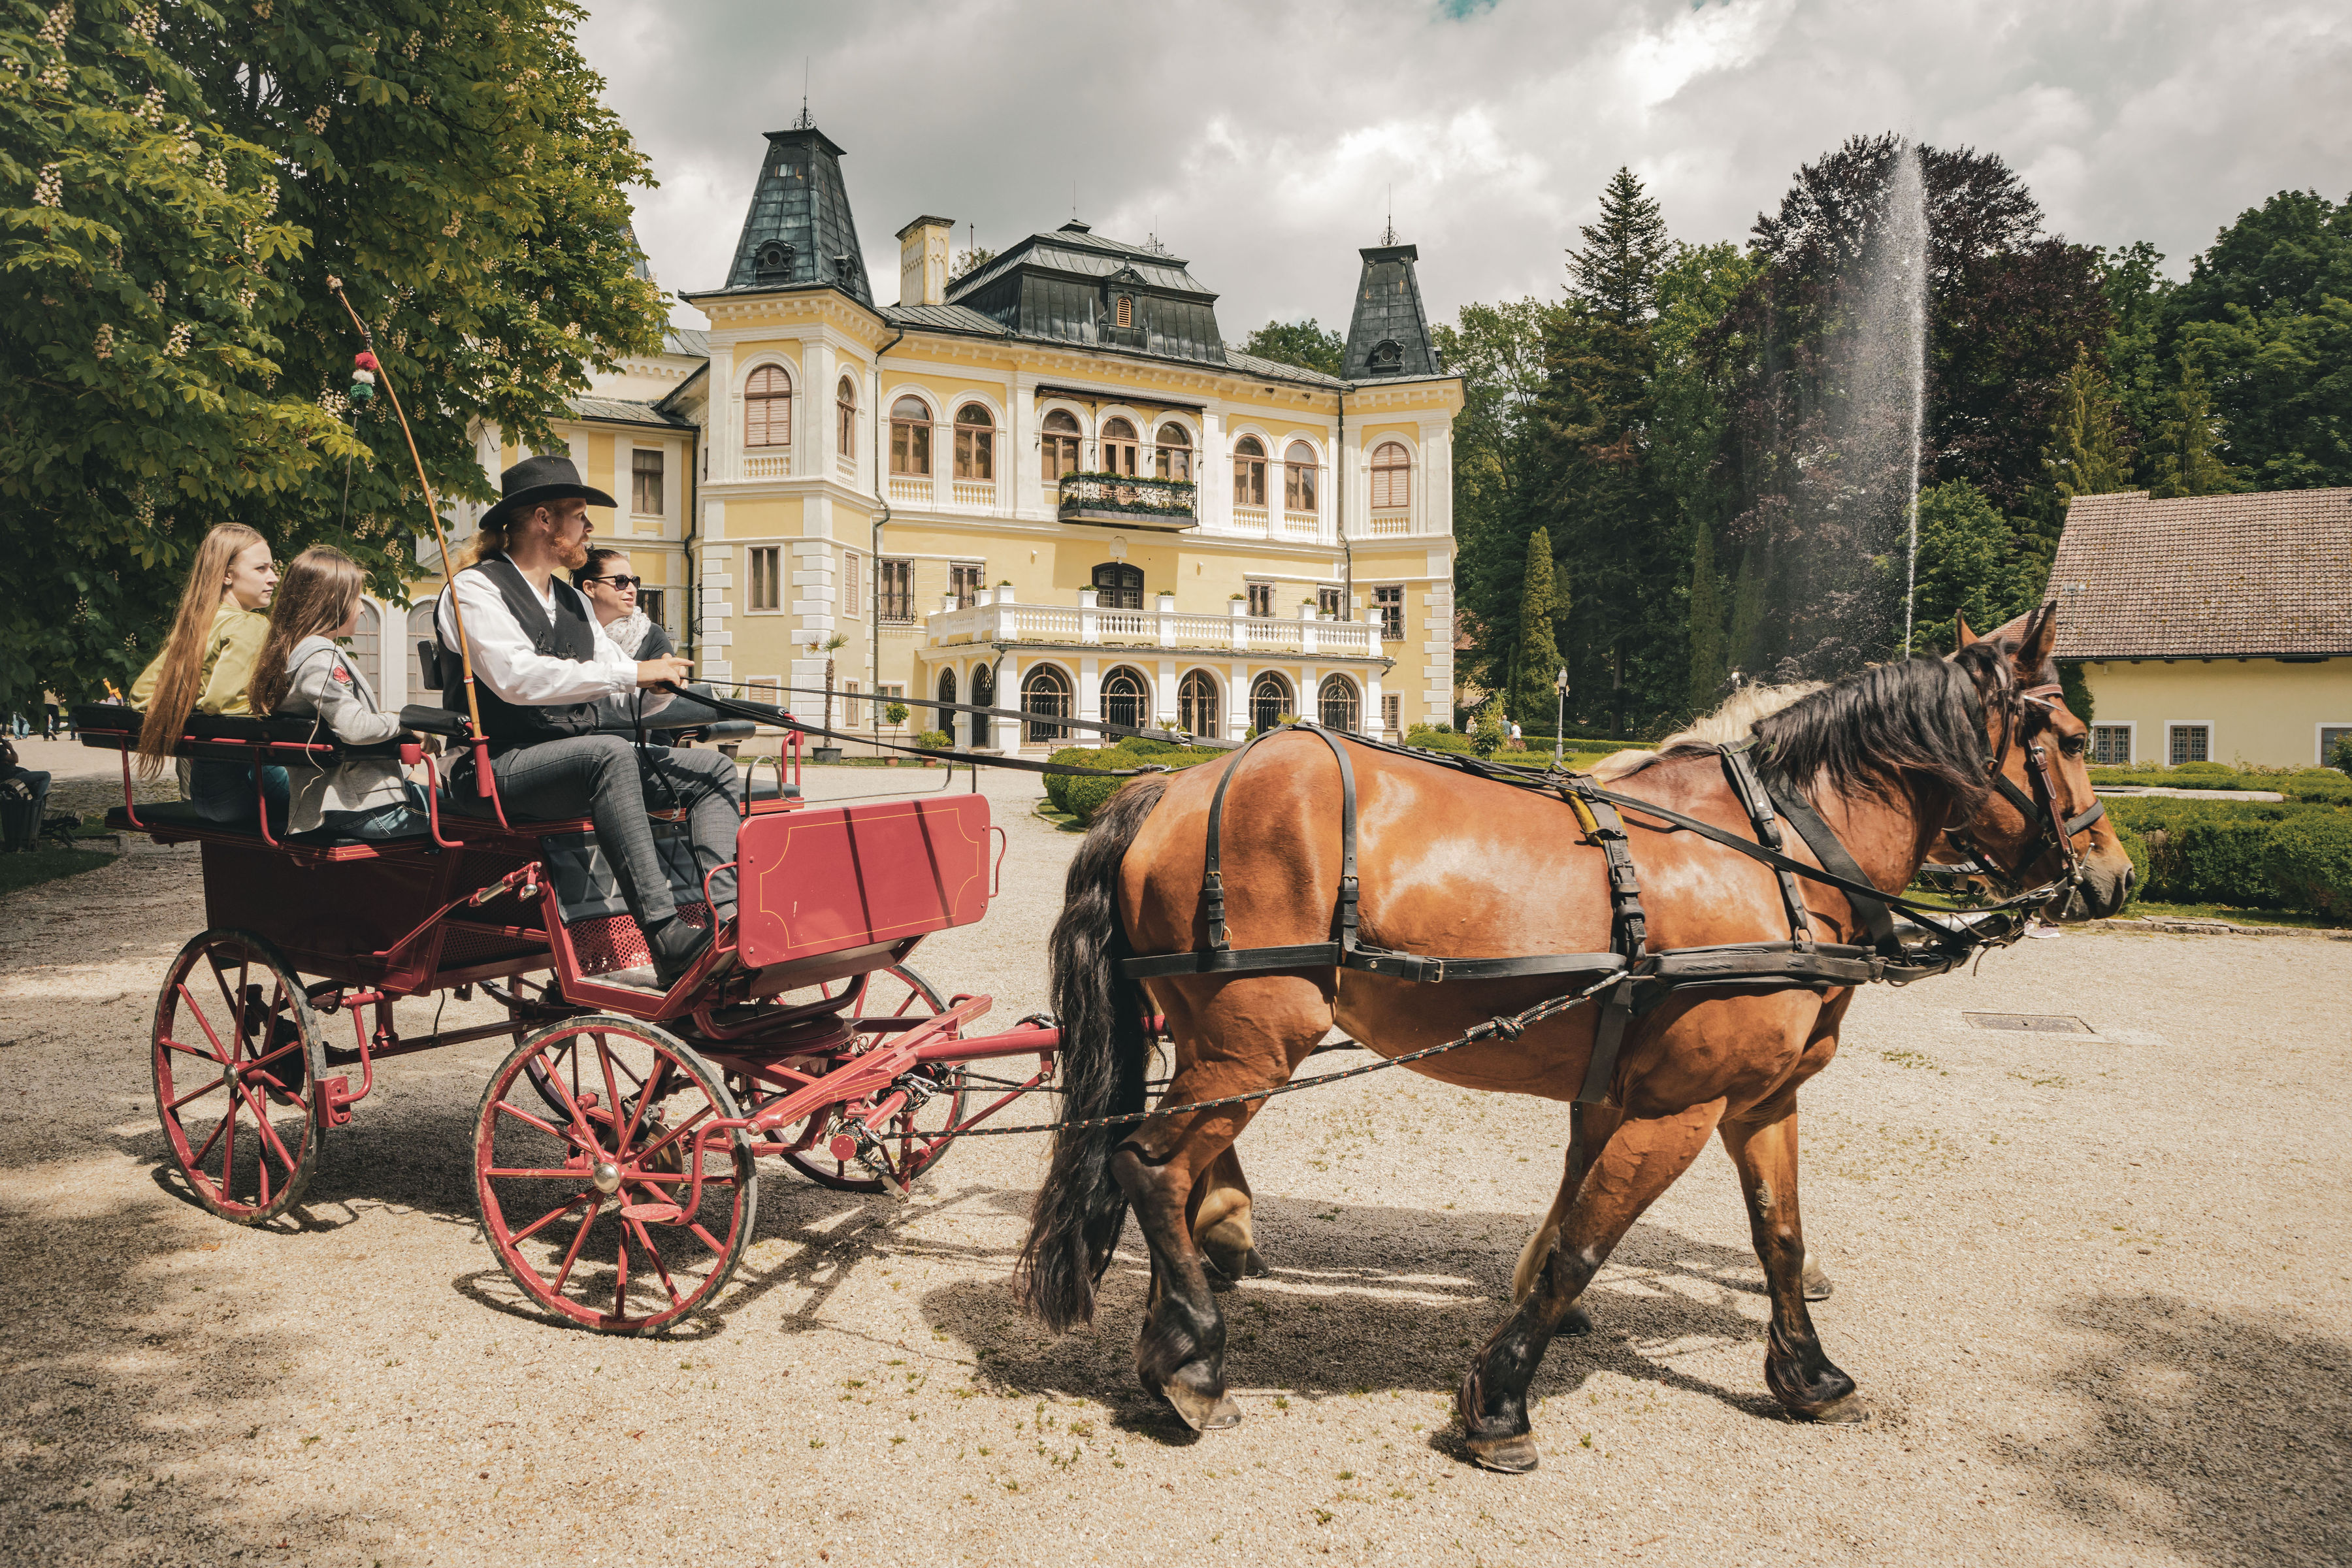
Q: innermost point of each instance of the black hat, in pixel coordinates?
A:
(537, 479)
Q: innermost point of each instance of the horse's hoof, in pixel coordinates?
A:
(1576, 1321)
(1841, 1412)
(1235, 1263)
(1201, 1412)
(1511, 1455)
(1219, 1281)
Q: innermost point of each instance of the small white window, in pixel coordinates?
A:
(766, 586)
(2188, 744)
(2110, 745)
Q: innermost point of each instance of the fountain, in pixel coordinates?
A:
(1887, 397)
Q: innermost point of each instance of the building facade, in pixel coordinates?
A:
(1047, 484)
(2211, 628)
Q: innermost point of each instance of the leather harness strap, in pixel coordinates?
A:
(1739, 769)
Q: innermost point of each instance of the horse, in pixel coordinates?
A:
(1891, 758)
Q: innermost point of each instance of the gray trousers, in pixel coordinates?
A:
(606, 779)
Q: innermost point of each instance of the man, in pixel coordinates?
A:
(540, 669)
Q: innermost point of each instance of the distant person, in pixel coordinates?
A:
(49, 715)
(612, 593)
(207, 666)
(302, 674)
(24, 795)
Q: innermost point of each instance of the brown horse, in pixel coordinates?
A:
(1890, 758)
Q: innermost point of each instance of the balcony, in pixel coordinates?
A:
(1125, 500)
(1391, 524)
(768, 465)
(997, 617)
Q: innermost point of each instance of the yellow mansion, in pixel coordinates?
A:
(1047, 483)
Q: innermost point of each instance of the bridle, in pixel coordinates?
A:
(2042, 810)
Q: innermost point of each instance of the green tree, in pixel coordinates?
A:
(1498, 351)
(141, 248)
(2087, 453)
(1972, 564)
(2185, 451)
(1305, 343)
(1617, 269)
(1688, 425)
(1536, 660)
(452, 165)
(969, 261)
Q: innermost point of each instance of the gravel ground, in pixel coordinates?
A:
(2095, 1288)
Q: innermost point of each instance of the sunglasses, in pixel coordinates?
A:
(617, 583)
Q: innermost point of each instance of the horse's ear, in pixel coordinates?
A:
(1967, 637)
(2033, 647)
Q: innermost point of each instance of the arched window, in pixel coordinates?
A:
(983, 695)
(1118, 446)
(367, 646)
(1045, 689)
(1173, 457)
(1118, 586)
(844, 405)
(910, 437)
(1196, 703)
(1249, 472)
(1298, 477)
(1127, 310)
(1269, 700)
(1126, 700)
(1391, 476)
(420, 630)
(768, 408)
(1058, 445)
(975, 437)
(1338, 707)
(947, 719)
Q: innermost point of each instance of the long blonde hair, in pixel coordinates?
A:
(314, 599)
(181, 680)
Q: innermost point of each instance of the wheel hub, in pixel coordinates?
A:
(607, 1175)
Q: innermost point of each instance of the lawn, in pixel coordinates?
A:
(34, 867)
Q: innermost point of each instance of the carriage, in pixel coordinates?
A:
(613, 1148)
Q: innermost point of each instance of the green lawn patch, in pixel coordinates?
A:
(34, 867)
(2232, 914)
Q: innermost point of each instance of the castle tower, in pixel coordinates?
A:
(1390, 335)
(799, 230)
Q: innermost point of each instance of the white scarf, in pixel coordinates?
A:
(628, 633)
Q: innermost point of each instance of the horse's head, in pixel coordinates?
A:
(2041, 821)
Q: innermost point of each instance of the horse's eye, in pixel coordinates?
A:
(2075, 745)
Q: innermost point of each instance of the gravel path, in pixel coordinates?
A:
(2094, 1286)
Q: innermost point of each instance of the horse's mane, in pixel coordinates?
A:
(1864, 734)
(1727, 724)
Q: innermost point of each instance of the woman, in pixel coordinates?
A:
(205, 667)
(302, 674)
(612, 593)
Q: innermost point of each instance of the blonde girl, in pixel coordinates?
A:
(302, 673)
(205, 667)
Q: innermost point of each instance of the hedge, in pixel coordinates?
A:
(1081, 797)
(2321, 786)
(2250, 855)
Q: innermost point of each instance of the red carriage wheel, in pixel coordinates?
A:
(894, 992)
(622, 1210)
(237, 1059)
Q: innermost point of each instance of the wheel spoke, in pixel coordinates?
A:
(197, 1159)
(547, 1127)
(535, 1226)
(661, 1269)
(193, 1094)
(220, 1053)
(677, 1132)
(611, 1096)
(595, 1206)
(621, 1278)
(266, 1133)
(172, 1044)
(583, 1134)
(708, 1240)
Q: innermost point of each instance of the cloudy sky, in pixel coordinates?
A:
(1262, 140)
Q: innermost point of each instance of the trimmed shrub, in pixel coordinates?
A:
(2204, 770)
(2322, 787)
(2219, 852)
(1081, 796)
(936, 740)
(2310, 862)
(1439, 740)
(2339, 756)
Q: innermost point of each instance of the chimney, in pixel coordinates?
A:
(923, 261)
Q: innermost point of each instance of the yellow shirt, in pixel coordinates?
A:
(232, 647)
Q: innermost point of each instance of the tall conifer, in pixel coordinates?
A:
(2187, 451)
(1536, 658)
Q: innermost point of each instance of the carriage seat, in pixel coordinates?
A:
(181, 819)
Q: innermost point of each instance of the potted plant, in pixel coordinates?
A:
(934, 739)
(895, 715)
(825, 751)
(1238, 604)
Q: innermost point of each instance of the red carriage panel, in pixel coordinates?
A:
(830, 880)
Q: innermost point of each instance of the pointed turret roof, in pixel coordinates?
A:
(799, 230)
(1389, 339)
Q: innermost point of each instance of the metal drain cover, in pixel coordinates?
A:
(2030, 1023)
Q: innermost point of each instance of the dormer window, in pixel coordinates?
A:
(1388, 357)
(1127, 310)
(773, 262)
(844, 270)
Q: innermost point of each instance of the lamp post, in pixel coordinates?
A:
(1560, 715)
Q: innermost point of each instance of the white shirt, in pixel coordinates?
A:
(504, 661)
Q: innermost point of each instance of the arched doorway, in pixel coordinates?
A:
(1337, 706)
(1196, 703)
(1045, 689)
(420, 630)
(1126, 700)
(947, 719)
(1269, 700)
(983, 695)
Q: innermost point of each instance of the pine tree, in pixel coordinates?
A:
(2187, 451)
(1617, 269)
(2088, 454)
(1536, 660)
(1707, 657)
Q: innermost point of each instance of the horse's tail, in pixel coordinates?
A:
(1079, 1209)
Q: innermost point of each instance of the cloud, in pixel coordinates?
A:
(1265, 143)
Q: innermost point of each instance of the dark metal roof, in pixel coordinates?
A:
(800, 217)
(688, 341)
(941, 319)
(1278, 370)
(1064, 287)
(1389, 339)
(621, 411)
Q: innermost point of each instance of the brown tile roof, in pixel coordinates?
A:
(2205, 576)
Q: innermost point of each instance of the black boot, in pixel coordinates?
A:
(675, 946)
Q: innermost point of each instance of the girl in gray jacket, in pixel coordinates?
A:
(302, 674)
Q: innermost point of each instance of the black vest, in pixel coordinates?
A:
(571, 634)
